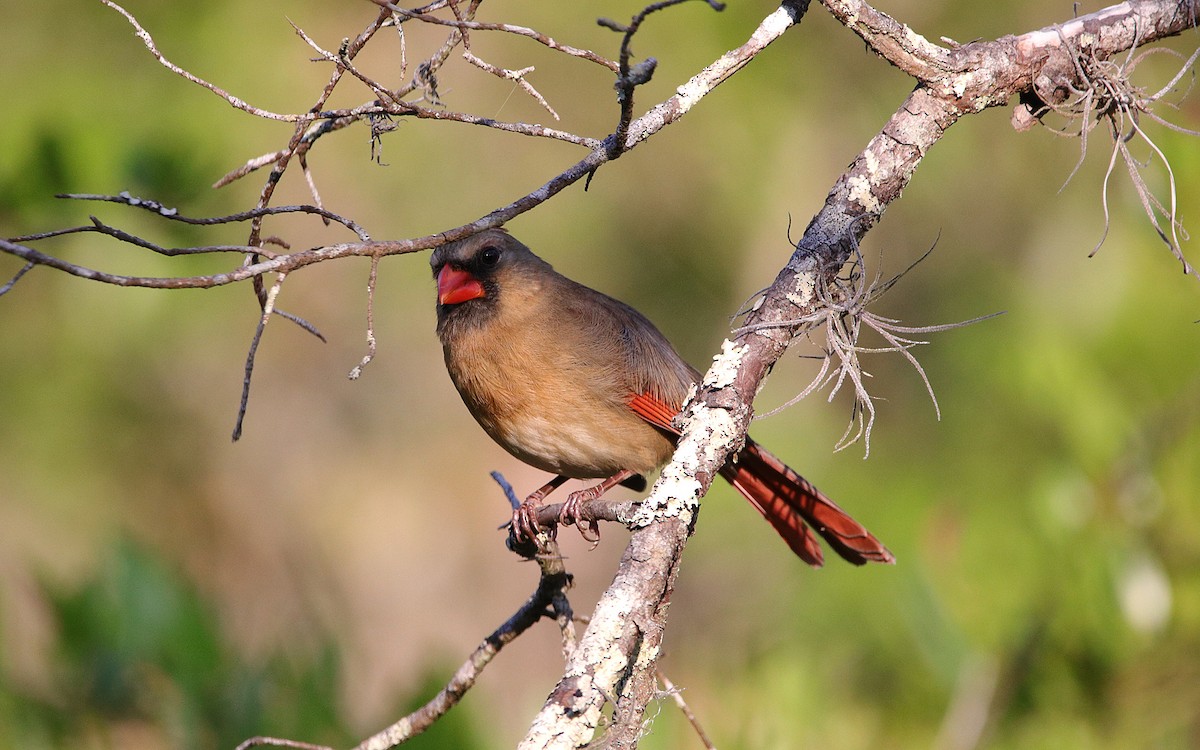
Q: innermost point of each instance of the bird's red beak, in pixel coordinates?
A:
(456, 285)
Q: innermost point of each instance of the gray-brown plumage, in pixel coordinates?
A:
(578, 384)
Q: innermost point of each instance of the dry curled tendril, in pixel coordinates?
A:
(1103, 91)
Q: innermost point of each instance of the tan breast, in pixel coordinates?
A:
(552, 405)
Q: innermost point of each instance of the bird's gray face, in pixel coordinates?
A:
(467, 274)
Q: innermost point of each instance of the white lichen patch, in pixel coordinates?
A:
(774, 25)
(913, 40)
(720, 428)
(676, 494)
(691, 92)
(860, 193)
(871, 161)
(593, 662)
(725, 365)
(691, 396)
(646, 657)
(806, 290)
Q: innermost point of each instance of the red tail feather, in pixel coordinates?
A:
(784, 498)
(787, 500)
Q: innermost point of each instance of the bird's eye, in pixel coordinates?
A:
(489, 256)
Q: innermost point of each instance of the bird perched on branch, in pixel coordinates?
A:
(575, 383)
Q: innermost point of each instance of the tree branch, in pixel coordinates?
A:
(625, 628)
(548, 600)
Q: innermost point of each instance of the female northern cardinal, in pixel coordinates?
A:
(575, 383)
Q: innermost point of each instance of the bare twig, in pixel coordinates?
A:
(100, 227)
(503, 27)
(629, 77)
(371, 344)
(279, 742)
(516, 76)
(302, 139)
(549, 599)
(677, 696)
(520, 128)
(148, 41)
(343, 61)
(173, 214)
(16, 277)
(268, 308)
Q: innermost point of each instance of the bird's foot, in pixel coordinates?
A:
(572, 510)
(525, 524)
(572, 513)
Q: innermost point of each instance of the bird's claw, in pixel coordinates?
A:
(525, 523)
(572, 513)
(526, 526)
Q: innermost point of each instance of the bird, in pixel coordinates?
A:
(578, 384)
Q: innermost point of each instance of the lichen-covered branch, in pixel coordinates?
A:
(621, 639)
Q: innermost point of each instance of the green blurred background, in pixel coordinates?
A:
(162, 587)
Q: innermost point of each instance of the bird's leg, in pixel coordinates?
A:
(572, 509)
(524, 520)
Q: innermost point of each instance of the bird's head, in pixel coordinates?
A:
(478, 267)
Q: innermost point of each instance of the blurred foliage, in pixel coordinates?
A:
(139, 659)
(161, 588)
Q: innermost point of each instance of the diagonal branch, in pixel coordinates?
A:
(548, 600)
(892, 40)
(642, 128)
(624, 630)
(509, 28)
(234, 101)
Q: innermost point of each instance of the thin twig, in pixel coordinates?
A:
(629, 77)
(148, 41)
(16, 277)
(504, 27)
(279, 742)
(549, 599)
(268, 308)
(516, 76)
(302, 139)
(371, 344)
(173, 214)
(343, 60)
(677, 696)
